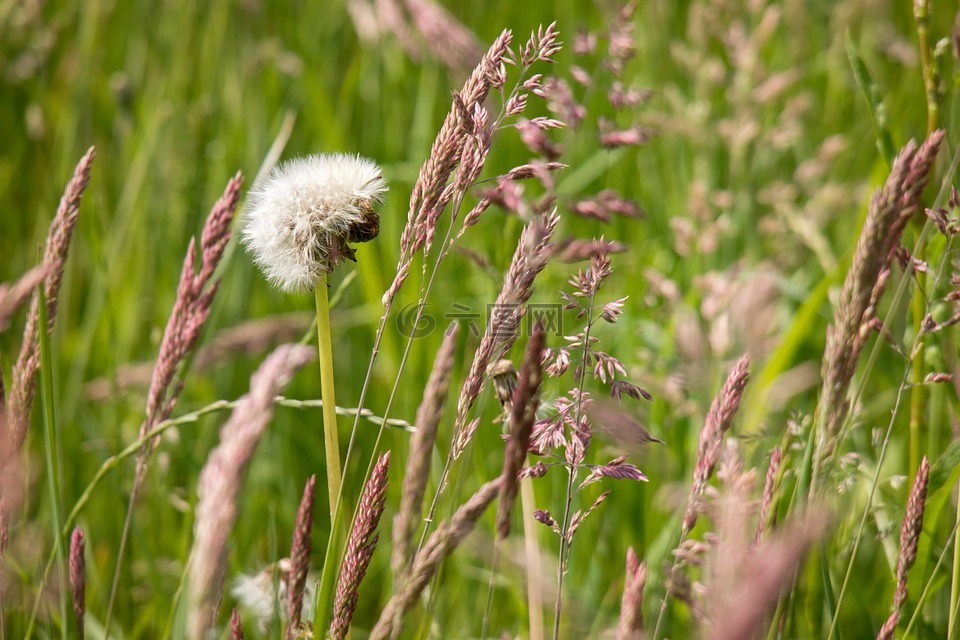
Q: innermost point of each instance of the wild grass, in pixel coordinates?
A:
(681, 192)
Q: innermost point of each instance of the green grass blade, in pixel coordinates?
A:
(874, 102)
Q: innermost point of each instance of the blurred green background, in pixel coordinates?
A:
(754, 187)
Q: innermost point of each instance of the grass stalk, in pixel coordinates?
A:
(572, 477)
(177, 596)
(332, 449)
(955, 576)
(921, 14)
(51, 448)
(913, 354)
(918, 395)
(866, 510)
(532, 553)
(491, 587)
(131, 449)
(563, 554)
(929, 582)
(325, 586)
(333, 555)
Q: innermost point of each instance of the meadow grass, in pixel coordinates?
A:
(772, 125)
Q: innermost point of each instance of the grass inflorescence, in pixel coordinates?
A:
(642, 320)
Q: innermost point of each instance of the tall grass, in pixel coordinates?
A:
(717, 166)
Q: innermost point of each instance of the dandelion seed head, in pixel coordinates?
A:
(263, 595)
(259, 596)
(300, 219)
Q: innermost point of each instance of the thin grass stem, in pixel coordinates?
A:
(177, 595)
(904, 384)
(50, 448)
(324, 590)
(866, 510)
(917, 391)
(491, 586)
(572, 474)
(532, 558)
(955, 576)
(131, 449)
(921, 14)
(927, 585)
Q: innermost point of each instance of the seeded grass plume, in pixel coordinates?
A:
(715, 427)
(78, 578)
(890, 209)
(526, 399)
(417, 473)
(55, 254)
(300, 558)
(909, 542)
(441, 543)
(195, 294)
(711, 176)
(236, 626)
(630, 626)
(221, 481)
(764, 522)
(360, 547)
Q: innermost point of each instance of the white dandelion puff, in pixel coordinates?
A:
(300, 219)
(263, 596)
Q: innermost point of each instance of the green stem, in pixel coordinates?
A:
(918, 390)
(105, 468)
(491, 587)
(858, 538)
(51, 447)
(955, 579)
(921, 14)
(809, 467)
(331, 441)
(332, 450)
(927, 586)
(115, 460)
(532, 550)
(565, 537)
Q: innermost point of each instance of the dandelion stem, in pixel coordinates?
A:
(331, 444)
(331, 441)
